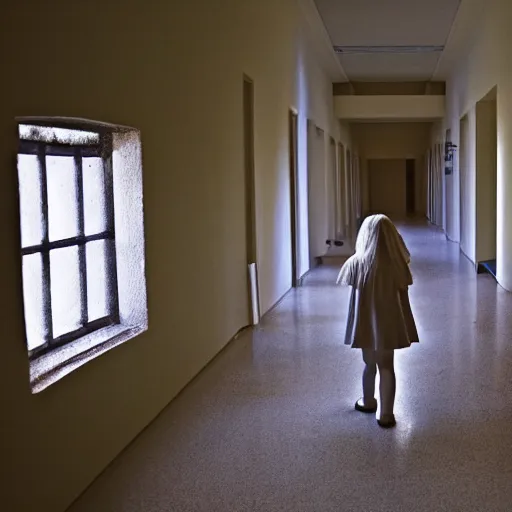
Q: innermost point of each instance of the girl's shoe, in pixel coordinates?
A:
(387, 421)
(361, 407)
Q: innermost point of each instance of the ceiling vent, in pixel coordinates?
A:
(398, 50)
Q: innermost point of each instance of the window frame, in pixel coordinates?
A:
(103, 149)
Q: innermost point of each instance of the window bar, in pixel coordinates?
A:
(66, 242)
(82, 264)
(110, 245)
(45, 255)
(28, 147)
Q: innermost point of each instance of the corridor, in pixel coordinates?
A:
(270, 425)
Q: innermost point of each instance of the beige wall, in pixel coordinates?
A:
(387, 184)
(174, 71)
(389, 88)
(393, 141)
(485, 65)
(386, 108)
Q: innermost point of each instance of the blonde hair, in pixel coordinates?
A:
(379, 250)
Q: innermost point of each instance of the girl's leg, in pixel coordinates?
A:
(369, 374)
(385, 363)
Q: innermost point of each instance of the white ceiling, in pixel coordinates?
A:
(366, 23)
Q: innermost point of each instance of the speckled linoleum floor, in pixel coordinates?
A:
(270, 425)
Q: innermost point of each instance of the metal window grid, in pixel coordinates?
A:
(103, 150)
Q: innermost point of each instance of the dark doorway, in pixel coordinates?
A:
(487, 183)
(410, 186)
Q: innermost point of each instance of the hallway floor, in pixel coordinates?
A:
(270, 425)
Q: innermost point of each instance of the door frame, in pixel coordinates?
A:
(253, 305)
(293, 133)
(463, 185)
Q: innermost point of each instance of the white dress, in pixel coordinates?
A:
(380, 316)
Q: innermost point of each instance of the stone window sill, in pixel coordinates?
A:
(53, 366)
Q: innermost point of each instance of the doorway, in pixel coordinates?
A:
(429, 184)
(317, 193)
(449, 157)
(356, 183)
(387, 187)
(438, 185)
(331, 183)
(340, 193)
(350, 197)
(486, 183)
(410, 187)
(464, 190)
(435, 185)
(294, 228)
(250, 202)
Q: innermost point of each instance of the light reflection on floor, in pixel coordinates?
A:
(270, 425)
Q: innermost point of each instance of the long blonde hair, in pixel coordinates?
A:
(379, 249)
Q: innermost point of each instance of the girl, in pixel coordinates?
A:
(380, 318)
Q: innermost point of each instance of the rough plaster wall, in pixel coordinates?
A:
(144, 66)
(486, 65)
(128, 205)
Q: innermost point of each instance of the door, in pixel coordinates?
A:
(429, 185)
(317, 199)
(331, 190)
(349, 197)
(357, 190)
(410, 186)
(294, 230)
(486, 178)
(463, 187)
(250, 202)
(340, 194)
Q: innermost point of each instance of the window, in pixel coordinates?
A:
(74, 302)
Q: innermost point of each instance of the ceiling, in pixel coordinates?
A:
(388, 40)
